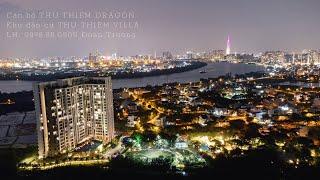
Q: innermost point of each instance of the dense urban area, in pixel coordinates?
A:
(267, 120)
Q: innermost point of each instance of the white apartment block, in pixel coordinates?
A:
(72, 111)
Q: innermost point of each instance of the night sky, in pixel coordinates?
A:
(181, 25)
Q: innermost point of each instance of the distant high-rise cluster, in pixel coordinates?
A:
(190, 55)
(73, 111)
(216, 54)
(273, 57)
(167, 55)
(307, 57)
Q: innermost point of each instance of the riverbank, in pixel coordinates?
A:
(213, 70)
(123, 75)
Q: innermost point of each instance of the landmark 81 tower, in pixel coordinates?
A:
(228, 46)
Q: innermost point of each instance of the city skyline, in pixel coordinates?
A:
(255, 26)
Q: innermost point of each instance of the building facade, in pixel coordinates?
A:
(72, 111)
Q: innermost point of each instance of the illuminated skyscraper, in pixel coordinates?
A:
(293, 58)
(228, 46)
(73, 111)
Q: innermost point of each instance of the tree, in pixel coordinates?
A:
(252, 130)
(237, 124)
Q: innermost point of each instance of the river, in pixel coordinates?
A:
(212, 70)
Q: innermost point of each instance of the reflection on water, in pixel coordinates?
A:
(301, 84)
(15, 86)
(212, 70)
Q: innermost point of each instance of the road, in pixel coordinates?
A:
(115, 150)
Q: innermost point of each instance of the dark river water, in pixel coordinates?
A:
(212, 70)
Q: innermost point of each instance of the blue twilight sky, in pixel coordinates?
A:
(179, 26)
